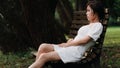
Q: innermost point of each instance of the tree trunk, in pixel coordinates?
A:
(65, 10)
(81, 4)
(41, 21)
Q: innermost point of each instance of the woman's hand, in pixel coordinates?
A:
(63, 45)
(66, 44)
(69, 40)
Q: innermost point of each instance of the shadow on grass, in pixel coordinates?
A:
(110, 57)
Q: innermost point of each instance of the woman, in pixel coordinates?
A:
(73, 50)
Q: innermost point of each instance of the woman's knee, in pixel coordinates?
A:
(44, 47)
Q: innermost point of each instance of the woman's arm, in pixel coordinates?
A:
(83, 41)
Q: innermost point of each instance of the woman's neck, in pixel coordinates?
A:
(96, 19)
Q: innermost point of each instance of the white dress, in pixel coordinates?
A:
(74, 53)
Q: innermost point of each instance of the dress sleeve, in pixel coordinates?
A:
(95, 31)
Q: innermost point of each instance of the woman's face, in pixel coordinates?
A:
(90, 14)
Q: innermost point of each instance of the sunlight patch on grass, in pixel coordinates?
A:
(112, 37)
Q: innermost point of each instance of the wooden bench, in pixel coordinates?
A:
(91, 58)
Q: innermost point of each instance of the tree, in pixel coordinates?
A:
(28, 23)
(14, 36)
(114, 9)
(65, 11)
(40, 20)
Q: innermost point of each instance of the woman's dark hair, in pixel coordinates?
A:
(97, 7)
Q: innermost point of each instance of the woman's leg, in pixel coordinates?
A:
(44, 48)
(45, 57)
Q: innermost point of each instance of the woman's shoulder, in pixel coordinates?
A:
(97, 24)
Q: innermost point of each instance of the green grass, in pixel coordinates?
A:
(18, 60)
(111, 50)
(112, 37)
(110, 57)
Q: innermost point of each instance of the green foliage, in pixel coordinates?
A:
(114, 9)
(73, 3)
